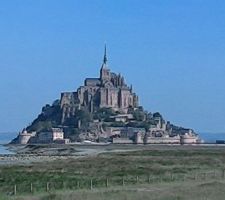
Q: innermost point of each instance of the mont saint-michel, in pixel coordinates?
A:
(103, 110)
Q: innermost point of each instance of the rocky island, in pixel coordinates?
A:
(103, 110)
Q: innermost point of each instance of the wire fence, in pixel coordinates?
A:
(95, 183)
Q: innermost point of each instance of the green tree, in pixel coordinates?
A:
(84, 116)
(139, 115)
(104, 114)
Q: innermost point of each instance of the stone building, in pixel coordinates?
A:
(50, 136)
(24, 137)
(107, 91)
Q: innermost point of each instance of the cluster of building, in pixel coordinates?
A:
(130, 135)
(116, 135)
(161, 132)
(55, 135)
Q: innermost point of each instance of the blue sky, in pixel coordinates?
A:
(172, 51)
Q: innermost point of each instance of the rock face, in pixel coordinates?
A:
(103, 108)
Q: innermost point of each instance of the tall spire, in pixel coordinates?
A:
(105, 71)
(105, 57)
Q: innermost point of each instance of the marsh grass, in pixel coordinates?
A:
(160, 166)
(210, 190)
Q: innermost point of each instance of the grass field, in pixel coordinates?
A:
(209, 190)
(150, 172)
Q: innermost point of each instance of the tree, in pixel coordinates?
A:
(84, 116)
(139, 115)
(104, 114)
(157, 114)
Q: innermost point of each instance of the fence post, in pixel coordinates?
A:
(205, 176)
(196, 177)
(47, 187)
(137, 179)
(161, 178)
(171, 176)
(31, 188)
(63, 185)
(149, 179)
(15, 190)
(123, 182)
(78, 184)
(214, 173)
(107, 182)
(91, 185)
(184, 178)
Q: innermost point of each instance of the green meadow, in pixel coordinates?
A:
(151, 172)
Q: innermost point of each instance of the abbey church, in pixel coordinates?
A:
(109, 91)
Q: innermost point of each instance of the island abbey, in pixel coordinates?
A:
(107, 91)
(104, 109)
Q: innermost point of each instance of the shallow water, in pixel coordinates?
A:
(5, 138)
(212, 137)
(4, 150)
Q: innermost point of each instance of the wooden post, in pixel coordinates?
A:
(171, 176)
(15, 189)
(123, 182)
(184, 178)
(47, 187)
(78, 184)
(107, 182)
(196, 177)
(63, 185)
(91, 185)
(204, 176)
(137, 179)
(149, 179)
(31, 188)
